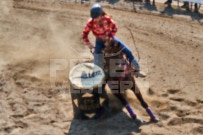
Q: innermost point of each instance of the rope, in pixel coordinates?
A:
(134, 43)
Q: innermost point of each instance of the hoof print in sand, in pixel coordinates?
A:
(8, 129)
(177, 99)
(182, 113)
(151, 91)
(173, 91)
(199, 101)
(198, 130)
(179, 121)
(163, 116)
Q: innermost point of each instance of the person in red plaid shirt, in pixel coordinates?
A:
(104, 29)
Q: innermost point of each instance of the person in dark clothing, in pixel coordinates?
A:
(168, 2)
(185, 5)
(196, 8)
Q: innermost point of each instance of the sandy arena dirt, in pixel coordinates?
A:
(32, 34)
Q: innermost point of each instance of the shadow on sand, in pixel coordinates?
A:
(117, 124)
(149, 7)
(170, 11)
(109, 1)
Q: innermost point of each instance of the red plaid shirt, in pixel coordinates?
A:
(108, 28)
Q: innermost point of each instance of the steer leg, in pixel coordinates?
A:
(144, 104)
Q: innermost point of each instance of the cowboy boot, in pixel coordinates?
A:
(140, 74)
(152, 115)
(136, 67)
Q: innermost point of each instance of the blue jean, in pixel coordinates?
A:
(100, 46)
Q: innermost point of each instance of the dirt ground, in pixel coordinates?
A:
(33, 35)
